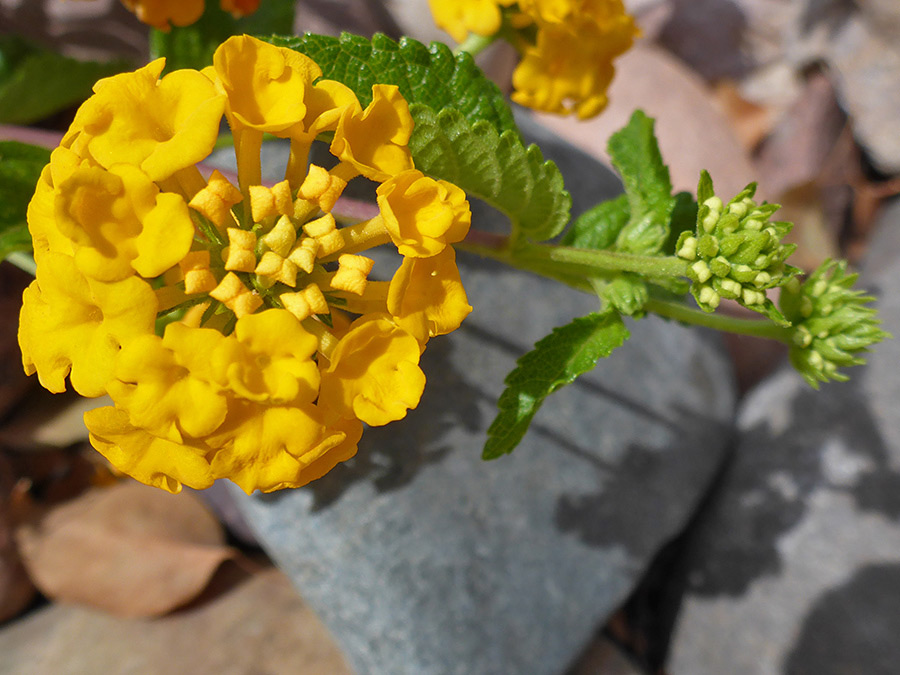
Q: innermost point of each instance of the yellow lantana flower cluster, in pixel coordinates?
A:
(567, 46)
(235, 327)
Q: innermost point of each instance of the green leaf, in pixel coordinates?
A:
(555, 361)
(464, 132)
(20, 168)
(598, 227)
(627, 292)
(431, 76)
(36, 83)
(193, 46)
(496, 168)
(635, 154)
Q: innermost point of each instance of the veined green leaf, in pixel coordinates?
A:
(598, 227)
(496, 168)
(430, 76)
(555, 361)
(464, 132)
(20, 168)
(36, 82)
(635, 154)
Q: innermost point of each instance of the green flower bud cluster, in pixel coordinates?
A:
(832, 324)
(736, 251)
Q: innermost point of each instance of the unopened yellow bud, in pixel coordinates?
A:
(304, 254)
(277, 268)
(232, 293)
(197, 276)
(303, 304)
(240, 256)
(281, 237)
(352, 274)
(216, 199)
(267, 202)
(321, 187)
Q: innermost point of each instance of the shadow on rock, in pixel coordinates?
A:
(391, 456)
(634, 497)
(853, 628)
(764, 492)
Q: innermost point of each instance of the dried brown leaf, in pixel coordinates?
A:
(258, 625)
(131, 550)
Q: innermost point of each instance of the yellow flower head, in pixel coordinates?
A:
(569, 68)
(239, 330)
(460, 17)
(161, 13)
(567, 46)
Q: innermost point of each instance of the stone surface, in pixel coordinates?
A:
(796, 566)
(256, 624)
(421, 558)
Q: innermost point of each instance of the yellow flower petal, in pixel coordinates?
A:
(269, 359)
(270, 448)
(73, 325)
(374, 141)
(373, 373)
(161, 394)
(423, 215)
(570, 66)
(460, 17)
(160, 126)
(150, 459)
(121, 223)
(266, 85)
(426, 297)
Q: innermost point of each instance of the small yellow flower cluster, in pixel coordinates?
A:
(235, 327)
(567, 46)
(161, 13)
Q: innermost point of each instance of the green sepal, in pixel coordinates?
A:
(36, 82)
(705, 187)
(555, 361)
(20, 167)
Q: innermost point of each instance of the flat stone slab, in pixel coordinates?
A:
(421, 558)
(797, 562)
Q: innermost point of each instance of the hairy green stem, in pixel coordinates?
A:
(474, 44)
(24, 261)
(551, 260)
(729, 324)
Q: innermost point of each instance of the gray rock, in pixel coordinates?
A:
(797, 562)
(421, 558)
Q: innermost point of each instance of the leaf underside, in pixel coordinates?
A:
(555, 361)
